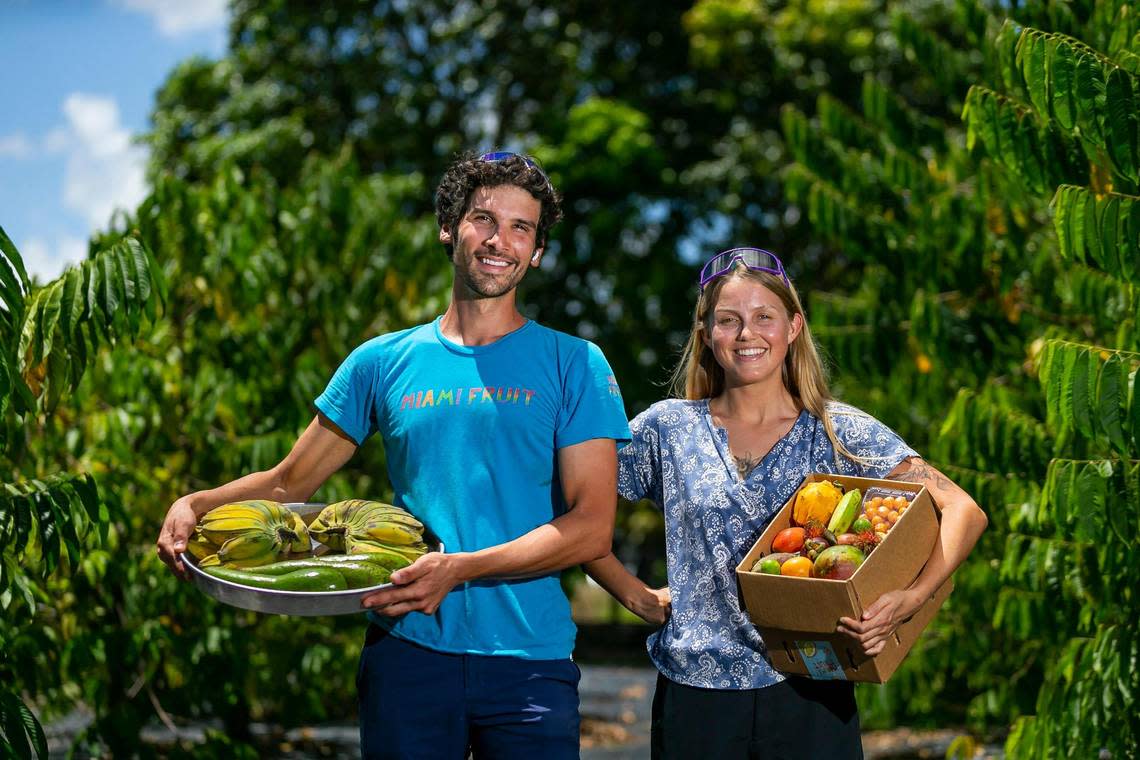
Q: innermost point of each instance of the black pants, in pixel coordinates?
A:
(798, 718)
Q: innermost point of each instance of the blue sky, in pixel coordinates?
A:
(77, 83)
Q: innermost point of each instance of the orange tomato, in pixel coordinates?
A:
(788, 540)
(799, 567)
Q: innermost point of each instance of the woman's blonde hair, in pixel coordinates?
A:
(699, 376)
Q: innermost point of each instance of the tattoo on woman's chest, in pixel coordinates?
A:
(746, 464)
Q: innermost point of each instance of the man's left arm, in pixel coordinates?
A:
(588, 472)
(962, 523)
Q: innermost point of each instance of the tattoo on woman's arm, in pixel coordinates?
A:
(745, 464)
(918, 471)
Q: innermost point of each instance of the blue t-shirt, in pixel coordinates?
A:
(679, 459)
(471, 435)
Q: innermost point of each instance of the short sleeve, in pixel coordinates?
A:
(350, 397)
(591, 400)
(639, 463)
(879, 448)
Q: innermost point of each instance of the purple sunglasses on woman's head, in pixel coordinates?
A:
(756, 259)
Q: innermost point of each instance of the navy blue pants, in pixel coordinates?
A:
(418, 703)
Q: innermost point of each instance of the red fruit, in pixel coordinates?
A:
(788, 540)
(837, 563)
(813, 528)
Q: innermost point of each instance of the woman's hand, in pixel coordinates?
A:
(653, 605)
(880, 620)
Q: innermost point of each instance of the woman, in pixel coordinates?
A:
(756, 417)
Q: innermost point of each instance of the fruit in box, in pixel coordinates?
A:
(816, 501)
(779, 558)
(837, 563)
(845, 512)
(788, 540)
(800, 567)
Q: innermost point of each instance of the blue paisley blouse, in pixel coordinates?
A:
(679, 459)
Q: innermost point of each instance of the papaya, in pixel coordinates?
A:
(311, 579)
(845, 512)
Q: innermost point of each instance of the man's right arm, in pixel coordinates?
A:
(320, 451)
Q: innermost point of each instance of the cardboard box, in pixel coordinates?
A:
(797, 616)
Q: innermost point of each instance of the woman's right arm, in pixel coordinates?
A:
(650, 604)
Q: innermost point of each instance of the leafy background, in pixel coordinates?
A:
(953, 187)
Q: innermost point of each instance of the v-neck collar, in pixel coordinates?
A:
(720, 440)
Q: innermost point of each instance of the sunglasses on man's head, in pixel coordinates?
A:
(496, 156)
(756, 259)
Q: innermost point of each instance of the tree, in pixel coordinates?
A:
(51, 516)
(972, 304)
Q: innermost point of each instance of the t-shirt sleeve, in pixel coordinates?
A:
(639, 463)
(349, 399)
(591, 401)
(880, 448)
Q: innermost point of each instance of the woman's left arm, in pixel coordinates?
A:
(962, 523)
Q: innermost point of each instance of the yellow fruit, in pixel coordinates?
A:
(799, 567)
(816, 501)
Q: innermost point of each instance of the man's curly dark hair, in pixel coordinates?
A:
(468, 173)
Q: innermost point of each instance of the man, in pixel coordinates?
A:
(501, 436)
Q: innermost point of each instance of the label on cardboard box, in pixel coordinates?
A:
(821, 661)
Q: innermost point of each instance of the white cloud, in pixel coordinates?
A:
(177, 17)
(46, 260)
(15, 145)
(105, 170)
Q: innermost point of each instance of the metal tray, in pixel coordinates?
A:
(297, 603)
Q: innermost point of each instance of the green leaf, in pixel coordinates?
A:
(1120, 122)
(49, 317)
(14, 283)
(1061, 67)
(1111, 392)
(71, 303)
(1076, 211)
(1092, 230)
(1109, 230)
(1058, 206)
(1068, 384)
(1031, 60)
(1134, 410)
(1129, 240)
(13, 256)
(1088, 95)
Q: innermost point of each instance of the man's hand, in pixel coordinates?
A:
(419, 587)
(176, 531)
(880, 620)
(654, 606)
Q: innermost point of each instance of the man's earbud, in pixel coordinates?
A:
(534, 258)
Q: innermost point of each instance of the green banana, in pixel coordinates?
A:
(249, 549)
(388, 533)
(200, 548)
(301, 543)
(410, 552)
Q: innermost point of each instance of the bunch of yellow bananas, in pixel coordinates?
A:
(248, 534)
(359, 526)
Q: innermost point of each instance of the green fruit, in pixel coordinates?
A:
(837, 562)
(767, 565)
(359, 570)
(315, 579)
(861, 525)
(845, 512)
